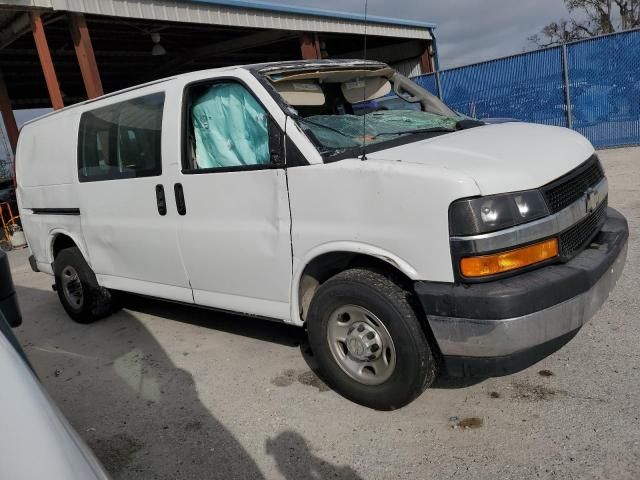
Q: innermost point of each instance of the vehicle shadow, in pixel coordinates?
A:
(295, 461)
(139, 412)
(248, 326)
(259, 329)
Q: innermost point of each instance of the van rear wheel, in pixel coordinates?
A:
(368, 340)
(78, 290)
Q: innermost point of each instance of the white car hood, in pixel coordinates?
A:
(500, 158)
(36, 441)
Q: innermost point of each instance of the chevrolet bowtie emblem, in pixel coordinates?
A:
(592, 199)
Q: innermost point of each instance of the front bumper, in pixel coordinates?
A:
(501, 327)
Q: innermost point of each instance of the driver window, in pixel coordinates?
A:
(227, 128)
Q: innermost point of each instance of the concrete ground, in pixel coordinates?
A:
(169, 392)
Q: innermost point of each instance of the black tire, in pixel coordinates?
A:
(97, 302)
(416, 366)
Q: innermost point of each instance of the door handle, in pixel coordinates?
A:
(181, 206)
(161, 200)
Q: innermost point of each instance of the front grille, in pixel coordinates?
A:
(566, 190)
(574, 239)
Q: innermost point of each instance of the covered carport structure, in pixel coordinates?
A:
(59, 52)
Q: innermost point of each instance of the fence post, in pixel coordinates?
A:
(438, 84)
(567, 88)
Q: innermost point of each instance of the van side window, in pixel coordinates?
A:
(226, 128)
(122, 140)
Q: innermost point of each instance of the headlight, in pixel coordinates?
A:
(496, 212)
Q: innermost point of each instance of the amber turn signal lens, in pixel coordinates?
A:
(484, 266)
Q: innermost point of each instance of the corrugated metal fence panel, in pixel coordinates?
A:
(428, 82)
(604, 86)
(525, 87)
(604, 79)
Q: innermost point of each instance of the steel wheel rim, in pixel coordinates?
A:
(361, 345)
(72, 287)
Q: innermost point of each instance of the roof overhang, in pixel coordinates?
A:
(195, 34)
(241, 13)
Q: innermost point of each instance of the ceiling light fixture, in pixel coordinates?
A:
(157, 50)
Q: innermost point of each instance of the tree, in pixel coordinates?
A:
(589, 18)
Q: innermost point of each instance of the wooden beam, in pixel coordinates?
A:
(42, 46)
(426, 60)
(85, 54)
(310, 46)
(8, 117)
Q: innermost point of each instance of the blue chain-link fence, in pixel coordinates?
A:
(592, 86)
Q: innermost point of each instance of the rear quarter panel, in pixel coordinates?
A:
(46, 172)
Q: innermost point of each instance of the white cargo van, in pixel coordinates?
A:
(336, 195)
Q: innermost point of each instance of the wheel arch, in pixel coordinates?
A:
(330, 259)
(60, 239)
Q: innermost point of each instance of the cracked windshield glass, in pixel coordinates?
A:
(342, 110)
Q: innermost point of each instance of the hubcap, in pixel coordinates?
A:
(361, 345)
(72, 287)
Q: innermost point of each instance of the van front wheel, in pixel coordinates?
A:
(78, 290)
(369, 341)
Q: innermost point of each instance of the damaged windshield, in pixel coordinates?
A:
(348, 108)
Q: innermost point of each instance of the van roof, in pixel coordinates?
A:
(256, 68)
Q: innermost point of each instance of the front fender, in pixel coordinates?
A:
(342, 247)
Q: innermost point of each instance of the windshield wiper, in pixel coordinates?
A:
(418, 131)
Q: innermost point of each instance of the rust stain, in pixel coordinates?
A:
(470, 422)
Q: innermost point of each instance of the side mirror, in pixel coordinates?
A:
(276, 144)
(8, 302)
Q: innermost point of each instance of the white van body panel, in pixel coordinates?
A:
(235, 238)
(45, 150)
(130, 245)
(373, 207)
(47, 178)
(501, 158)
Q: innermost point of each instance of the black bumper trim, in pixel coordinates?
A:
(531, 291)
(485, 367)
(56, 211)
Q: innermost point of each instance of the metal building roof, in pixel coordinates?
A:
(241, 13)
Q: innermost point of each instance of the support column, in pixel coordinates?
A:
(86, 57)
(310, 46)
(426, 60)
(9, 119)
(42, 46)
